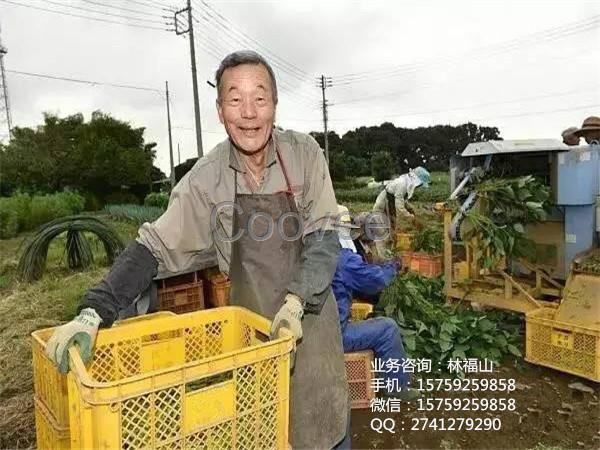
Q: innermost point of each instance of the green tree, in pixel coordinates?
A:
(382, 166)
(409, 147)
(99, 156)
(337, 167)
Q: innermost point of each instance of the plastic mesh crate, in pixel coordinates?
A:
(358, 373)
(49, 385)
(181, 294)
(360, 311)
(208, 379)
(49, 435)
(562, 346)
(403, 241)
(426, 264)
(218, 288)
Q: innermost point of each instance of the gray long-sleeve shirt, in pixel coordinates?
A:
(177, 240)
(185, 229)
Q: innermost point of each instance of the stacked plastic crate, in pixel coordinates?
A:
(359, 364)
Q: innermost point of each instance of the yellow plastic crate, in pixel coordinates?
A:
(49, 435)
(562, 346)
(50, 386)
(403, 241)
(206, 379)
(460, 271)
(360, 311)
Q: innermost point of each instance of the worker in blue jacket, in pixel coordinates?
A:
(354, 277)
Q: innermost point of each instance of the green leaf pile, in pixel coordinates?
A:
(435, 331)
(506, 206)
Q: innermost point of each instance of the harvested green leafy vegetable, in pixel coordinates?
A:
(505, 207)
(433, 330)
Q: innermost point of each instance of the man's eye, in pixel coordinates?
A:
(234, 101)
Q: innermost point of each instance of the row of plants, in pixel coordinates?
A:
(24, 212)
(355, 190)
(137, 214)
(158, 199)
(433, 330)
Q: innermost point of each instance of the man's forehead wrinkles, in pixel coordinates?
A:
(259, 87)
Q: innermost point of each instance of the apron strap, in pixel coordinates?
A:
(284, 170)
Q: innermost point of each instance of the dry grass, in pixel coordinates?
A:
(26, 307)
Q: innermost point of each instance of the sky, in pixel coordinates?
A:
(529, 67)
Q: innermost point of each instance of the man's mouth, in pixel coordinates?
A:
(249, 131)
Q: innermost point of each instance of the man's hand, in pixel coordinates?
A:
(81, 331)
(289, 316)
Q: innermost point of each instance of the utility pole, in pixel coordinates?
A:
(178, 155)
(170, 139)
(325, 82)
(190, 30)
(4, 104)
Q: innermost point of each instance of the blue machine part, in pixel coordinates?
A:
(579, 230)
(577, 177)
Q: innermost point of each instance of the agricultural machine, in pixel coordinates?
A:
(558, 287)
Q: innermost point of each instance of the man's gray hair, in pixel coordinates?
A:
(244, 57)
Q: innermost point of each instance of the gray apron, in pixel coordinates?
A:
(260, 272)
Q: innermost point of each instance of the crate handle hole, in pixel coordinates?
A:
(206, 382)
(261, 337)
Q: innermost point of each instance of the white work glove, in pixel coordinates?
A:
(81, 331)
(289, 316)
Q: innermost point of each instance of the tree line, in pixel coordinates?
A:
(384, 150)
(99, 157)
(104, 155)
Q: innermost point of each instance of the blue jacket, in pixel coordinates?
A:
(353, 276)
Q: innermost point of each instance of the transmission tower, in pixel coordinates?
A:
(5, 122)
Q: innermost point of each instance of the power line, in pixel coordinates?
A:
(121, 16)
(4, 100)
(424, 86)
(237, 41)
(77, 80)
(158, 4)
(148, 5)
(417, 113)
(120, 8)
(81, 16)
(217, 51)
(293, 69)
(540, 113)
(485, 52)
(505, 102)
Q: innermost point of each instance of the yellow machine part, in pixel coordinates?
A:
(581, 301)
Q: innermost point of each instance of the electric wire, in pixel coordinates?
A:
(81, 16)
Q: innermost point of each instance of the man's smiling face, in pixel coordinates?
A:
(246, 106)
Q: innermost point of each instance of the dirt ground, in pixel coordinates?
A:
(536, 423)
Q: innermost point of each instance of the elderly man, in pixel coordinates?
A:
(263, 199)
(590, 130)
(569, 136)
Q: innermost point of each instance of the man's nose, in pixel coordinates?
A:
(248, 110)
